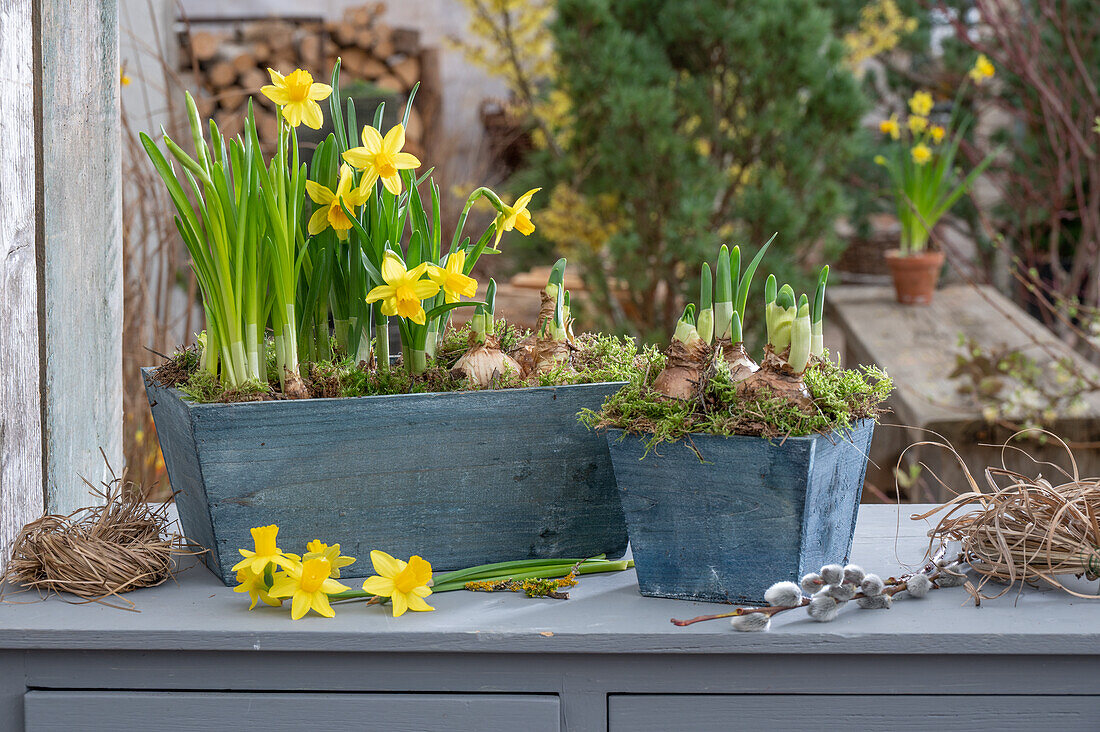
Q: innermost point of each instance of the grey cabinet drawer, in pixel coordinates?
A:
(141, 711)
(845, 713)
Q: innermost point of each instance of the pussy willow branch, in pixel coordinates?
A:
(894, 586)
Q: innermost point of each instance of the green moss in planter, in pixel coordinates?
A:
(598, 358)
(840, 398)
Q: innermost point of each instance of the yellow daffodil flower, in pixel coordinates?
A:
(880, 160)
(266, 552)
(451, 278)
(515, 217)
(317, 549)
(921, 154)
(298, 95)
(330, 212)
(405, 583)
(309, 585)
(921, 104)
(256, 587)
(917, 124)
(937, 133)
(404, 291)
(382, 158)
(890, 127)
(982, 70)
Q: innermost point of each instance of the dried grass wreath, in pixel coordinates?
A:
(98, 552)
(1022, 529)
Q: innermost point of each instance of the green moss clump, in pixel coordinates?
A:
(596, 358)
(841, 398)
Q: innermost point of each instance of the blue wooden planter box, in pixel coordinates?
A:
(459, 478)
(753, 514)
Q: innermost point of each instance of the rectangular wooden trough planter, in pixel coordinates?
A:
(723, 518)
(460, 478)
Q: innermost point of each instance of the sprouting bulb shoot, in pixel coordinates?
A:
(800, 339)
(723, 295)
(705, 323)
(817, 333)
(685, 327)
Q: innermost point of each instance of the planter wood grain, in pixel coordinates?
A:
(458, 478)
(753, 513)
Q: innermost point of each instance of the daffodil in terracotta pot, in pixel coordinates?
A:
(925, 184)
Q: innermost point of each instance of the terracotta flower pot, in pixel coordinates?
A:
(915, 275)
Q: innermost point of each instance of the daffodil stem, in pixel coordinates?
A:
(417, 362)
(552, 569)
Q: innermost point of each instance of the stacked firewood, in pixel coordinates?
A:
(229, 61)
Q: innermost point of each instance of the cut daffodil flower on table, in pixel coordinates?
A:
(266, 552)
(405, 583)
(404, 291)
(318, 549)
(257, 586)
(452, 279)
(308, 585)
(298, 95)
(381, 158)
(331, 205)
(515, 216)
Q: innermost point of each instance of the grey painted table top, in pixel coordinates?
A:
(605, 615)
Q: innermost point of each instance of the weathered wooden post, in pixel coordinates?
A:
(61, 246)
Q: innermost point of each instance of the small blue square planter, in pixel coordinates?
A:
(753, 513)
(461, 478)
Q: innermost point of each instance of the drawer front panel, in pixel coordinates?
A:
(845, 713)
(140, 711)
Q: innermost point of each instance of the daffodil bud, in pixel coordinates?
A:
(822, 608)
(783, 594)
(918, 585)
(751, 622)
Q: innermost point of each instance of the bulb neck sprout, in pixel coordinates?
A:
(484, 363)
(687, 360)
(548, 348)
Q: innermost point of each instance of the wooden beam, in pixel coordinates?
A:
(81, 230)
(21, 495)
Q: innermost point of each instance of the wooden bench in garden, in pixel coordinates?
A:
(917, 346)
(606, 660)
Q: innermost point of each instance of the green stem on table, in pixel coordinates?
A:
(534, 569)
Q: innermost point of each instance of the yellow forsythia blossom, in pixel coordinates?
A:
(982, 69)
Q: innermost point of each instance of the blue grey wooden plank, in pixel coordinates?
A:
(21, 464)
(606, 615)
(460, 479)
(843, 713)
(723, 518)
(135, 711)
(81, 205)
